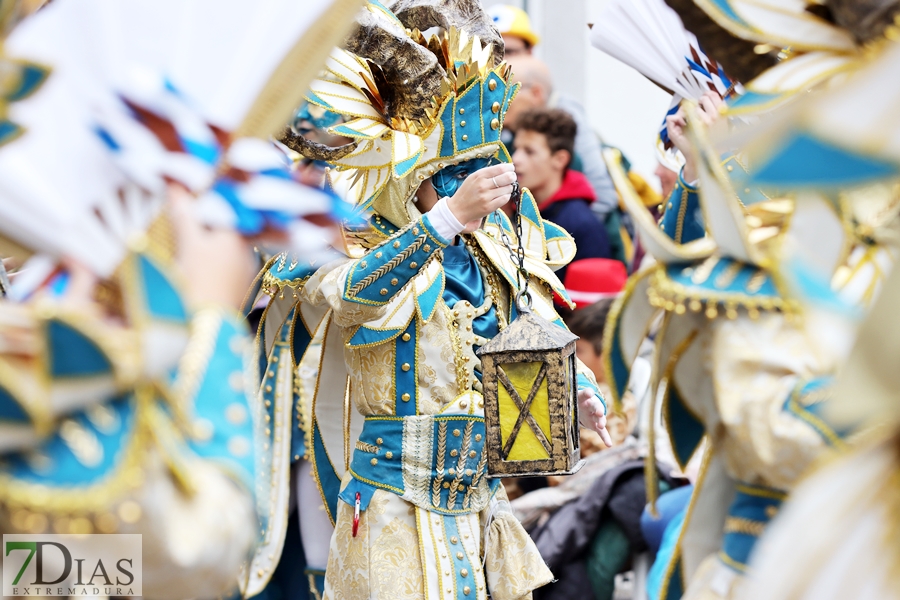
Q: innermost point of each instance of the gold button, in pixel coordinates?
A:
(415, 231)
(395, 281)
(397, 244)
(463, 404)
(405, 337)
(477, 437)
(454, 540)
(468, 472)
(379, 441)
(383, 292)
(467, 590)
(378, 255)
(459, 556)
(464, 573)
(363, 264)
(462, 488)
(462, 123)
(427, 248)
(730, 167)
(473, 454)
(268, 388)
(492, 84)
(462, 111)
(446, 485)
(374, 461)
(413, 265)
(405, 367)
(389, 455)
(495, 107)
(465, 138)
(451, 471)
(456, 433)
(405, 397)
(495, 124)
(454, 452)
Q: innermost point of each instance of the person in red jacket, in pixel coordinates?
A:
(544, 148)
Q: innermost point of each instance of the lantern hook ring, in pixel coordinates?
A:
(524, 301)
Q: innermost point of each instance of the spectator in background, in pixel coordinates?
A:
(514, 25)
(538, 92)
(544, 150)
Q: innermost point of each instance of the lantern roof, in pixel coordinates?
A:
(529, 332)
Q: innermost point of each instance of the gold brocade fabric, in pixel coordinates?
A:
(756, 366)
(384, 560)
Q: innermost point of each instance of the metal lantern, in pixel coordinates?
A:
(530, 402)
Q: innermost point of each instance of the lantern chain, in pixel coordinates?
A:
(517, 254)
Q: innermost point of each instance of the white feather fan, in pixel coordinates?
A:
(67, 187)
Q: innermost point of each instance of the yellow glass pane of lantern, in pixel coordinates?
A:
(526, 445)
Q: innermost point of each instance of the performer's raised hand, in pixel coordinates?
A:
(709, 109)
(593, 415)
(483, 192)
(218, 263)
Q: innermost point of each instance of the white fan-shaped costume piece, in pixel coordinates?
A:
(199, 65)
(649, 36)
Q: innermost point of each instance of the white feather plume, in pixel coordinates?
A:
(61, 189)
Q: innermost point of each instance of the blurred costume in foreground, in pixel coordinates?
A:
(739, 360)
(853, 130)
(123, 408)
(397, 432)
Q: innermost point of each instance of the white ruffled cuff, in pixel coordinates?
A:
(444, 221)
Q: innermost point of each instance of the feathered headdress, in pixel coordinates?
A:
(404, 128)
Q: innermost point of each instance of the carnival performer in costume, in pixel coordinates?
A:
(123, 360)
(738, 360)
(835, 536)
(397, 433)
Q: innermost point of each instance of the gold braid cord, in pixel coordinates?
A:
(479, 471)
(744, 526)
(442, 447)
(388, 266)
(460, 464)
